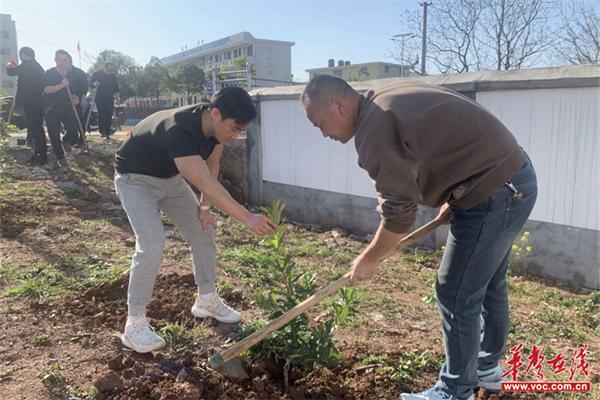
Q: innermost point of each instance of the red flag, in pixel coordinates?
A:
(78, 47)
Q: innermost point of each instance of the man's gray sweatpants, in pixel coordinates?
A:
(143, 197)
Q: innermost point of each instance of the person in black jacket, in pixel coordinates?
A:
(106, 94)
(30, 85)
(57, 104)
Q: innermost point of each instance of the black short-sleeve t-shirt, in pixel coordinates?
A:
(157, 140)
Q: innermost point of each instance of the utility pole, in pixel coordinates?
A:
(402, 36)
(215, 71)
(249, 75)
(424, 43)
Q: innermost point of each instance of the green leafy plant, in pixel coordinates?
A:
(40, 341)
(176, 336)
(520, 248)
(54, 375)
(299, 343)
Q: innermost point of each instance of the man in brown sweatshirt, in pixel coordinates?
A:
(424, 144)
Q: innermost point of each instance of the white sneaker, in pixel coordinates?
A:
(140, 336)
(212, 305)
(491, 379)
(433, 393)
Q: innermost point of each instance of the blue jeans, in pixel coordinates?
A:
(471, 282)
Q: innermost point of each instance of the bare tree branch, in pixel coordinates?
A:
(580, 32)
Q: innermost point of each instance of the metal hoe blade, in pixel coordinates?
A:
(232, 368)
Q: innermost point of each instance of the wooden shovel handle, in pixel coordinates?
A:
(300, 308)
(11, 110)
(77, 119)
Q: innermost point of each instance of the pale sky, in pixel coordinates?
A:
(354, 30)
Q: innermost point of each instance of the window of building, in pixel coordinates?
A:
(228, 55)
(386, 69)
(4, 35)
(337, 72)
(249, 50)
(4, 51)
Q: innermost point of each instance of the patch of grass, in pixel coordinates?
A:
(53, 375)
(404, 369)
(427, 276)
(199, 331)
(588, 310)
(112, 250)
(429, 297)
(5, 179)
(21, 188)
(89, 394)
(178, 254)
(309, 246)
(176, 335)
(79, 336)
(83, 273)
(5, 156)
(559, 325)
(88, 226)
(7, 273)
(248, 263)
(420, 257)
(43, 282)
(403, 287)
(73, 193)
(412, 364)
(47, 280)
(41, 341)
(9, 307)
(387, 306)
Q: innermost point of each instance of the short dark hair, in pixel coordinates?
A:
(27, 52)
(234, 102)
(323, 87)
(64, 53)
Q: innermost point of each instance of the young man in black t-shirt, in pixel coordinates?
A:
(106, 93)
(152, 166)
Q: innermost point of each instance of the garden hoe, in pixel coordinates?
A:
(228, 361)
(11, 111)
(86, 149)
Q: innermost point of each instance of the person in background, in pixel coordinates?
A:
(57, 105)
(30, 86)
(107, 92)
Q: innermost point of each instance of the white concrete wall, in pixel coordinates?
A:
(295, 153)
(560, 129)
